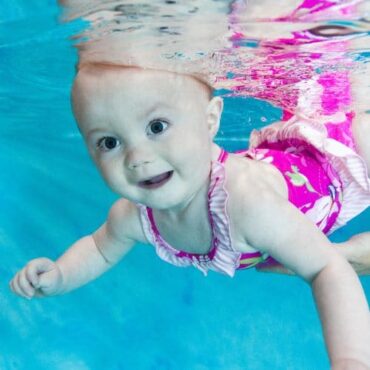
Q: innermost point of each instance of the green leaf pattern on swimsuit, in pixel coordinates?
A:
(253, 261)
(298, 179)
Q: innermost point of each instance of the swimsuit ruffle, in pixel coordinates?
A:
(226, 259)
(348, 165)
(163, 250)
(222, 258)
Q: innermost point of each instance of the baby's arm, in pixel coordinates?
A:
(84, 261)
(276, 227)
(356, 251)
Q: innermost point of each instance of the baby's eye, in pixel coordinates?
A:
(157, 126)
(107, 143)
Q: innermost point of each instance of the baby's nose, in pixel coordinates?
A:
(138, 157)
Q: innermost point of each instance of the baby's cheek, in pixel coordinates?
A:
(117, 186)
(108, 176)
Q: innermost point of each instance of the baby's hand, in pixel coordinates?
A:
(39, 278)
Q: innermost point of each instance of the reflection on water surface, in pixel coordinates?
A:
(247, 48)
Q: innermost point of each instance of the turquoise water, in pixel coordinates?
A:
(143, 314)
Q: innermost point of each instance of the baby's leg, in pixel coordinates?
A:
(360, 86)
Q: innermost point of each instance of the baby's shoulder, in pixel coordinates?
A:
(252, 186)
(247, 177)
(249, 182)
(124, 219)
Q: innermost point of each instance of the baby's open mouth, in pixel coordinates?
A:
(156, 181)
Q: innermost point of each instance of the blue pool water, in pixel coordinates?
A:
(143, 314)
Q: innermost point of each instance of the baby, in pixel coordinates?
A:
(151, 133)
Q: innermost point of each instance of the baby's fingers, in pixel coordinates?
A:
(32, 272)
(21, 286)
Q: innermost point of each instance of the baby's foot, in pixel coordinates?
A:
(357, 252)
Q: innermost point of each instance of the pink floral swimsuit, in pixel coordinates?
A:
(329, 186)
(327, 180)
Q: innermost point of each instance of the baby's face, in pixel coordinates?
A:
(149, 132)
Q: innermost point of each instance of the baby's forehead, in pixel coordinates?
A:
(135, 78)
(104, 93)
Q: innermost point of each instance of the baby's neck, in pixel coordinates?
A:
(187, 228)
(197, 201)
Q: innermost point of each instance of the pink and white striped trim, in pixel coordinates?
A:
(222, 257)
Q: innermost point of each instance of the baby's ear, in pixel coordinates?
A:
(214, 112)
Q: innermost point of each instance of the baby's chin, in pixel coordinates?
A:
(173, 195)
(161, 204)
(160, 201)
